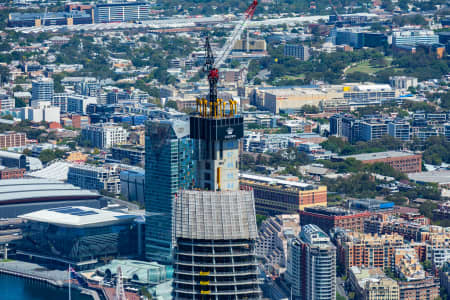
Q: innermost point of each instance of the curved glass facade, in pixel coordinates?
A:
(80, 244)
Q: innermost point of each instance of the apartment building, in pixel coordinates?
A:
(361, 249)
(425, 289)
(311, 269)
(372, 130)
(7, 103)
(79, 103)
(415, 283)
(400, 130)
(328, 218)
(134, 154)
(410, 229)
(275, 196)
(42, 89)
(90, 177)
(104, 135)
(272, 242)
(372, 283)
(13, 139)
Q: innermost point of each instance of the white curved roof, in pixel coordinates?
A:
(56, 171)
(28, 190)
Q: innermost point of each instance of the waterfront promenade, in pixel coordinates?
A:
(37, 272)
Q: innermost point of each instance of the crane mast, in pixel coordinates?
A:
(212, 65)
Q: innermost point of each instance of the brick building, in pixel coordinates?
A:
(274, 196)
(359, 249)
(328, 218)
(425, 289)
(12, 139)
(407, 226)
(79, 121)
(402, 161)
(12, 173)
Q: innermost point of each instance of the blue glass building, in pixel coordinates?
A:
(169, 167)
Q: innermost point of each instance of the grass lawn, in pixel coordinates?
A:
(364, 67)
(289, 77)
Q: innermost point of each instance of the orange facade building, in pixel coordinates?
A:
(275, 197)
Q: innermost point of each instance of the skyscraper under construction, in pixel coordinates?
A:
(215, 225)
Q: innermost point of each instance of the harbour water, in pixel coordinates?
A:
(17, 288)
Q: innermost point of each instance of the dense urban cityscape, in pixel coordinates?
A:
(202, 149)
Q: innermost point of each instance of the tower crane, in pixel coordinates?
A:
(212, 65)
(335, 11)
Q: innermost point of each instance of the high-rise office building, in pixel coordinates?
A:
(414, 37)
(169, 167)
(42, 89)
(215, 227)
(298, 51)
(312, 265)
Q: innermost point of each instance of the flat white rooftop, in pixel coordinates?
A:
(441, 177)
(78, 217)
(378, 155)
(270, 180)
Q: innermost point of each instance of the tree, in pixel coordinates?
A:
(340, 297)
(145, 293)
(427, 207)
(171, 104)
(260, 219)
(310, 109)
(4, 74)
(427, 265)
(445, 100)
(387, 5)
(358, 77)
(47, 155)
(20, 103)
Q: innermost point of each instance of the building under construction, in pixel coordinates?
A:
(215, 256)
(215, 226)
